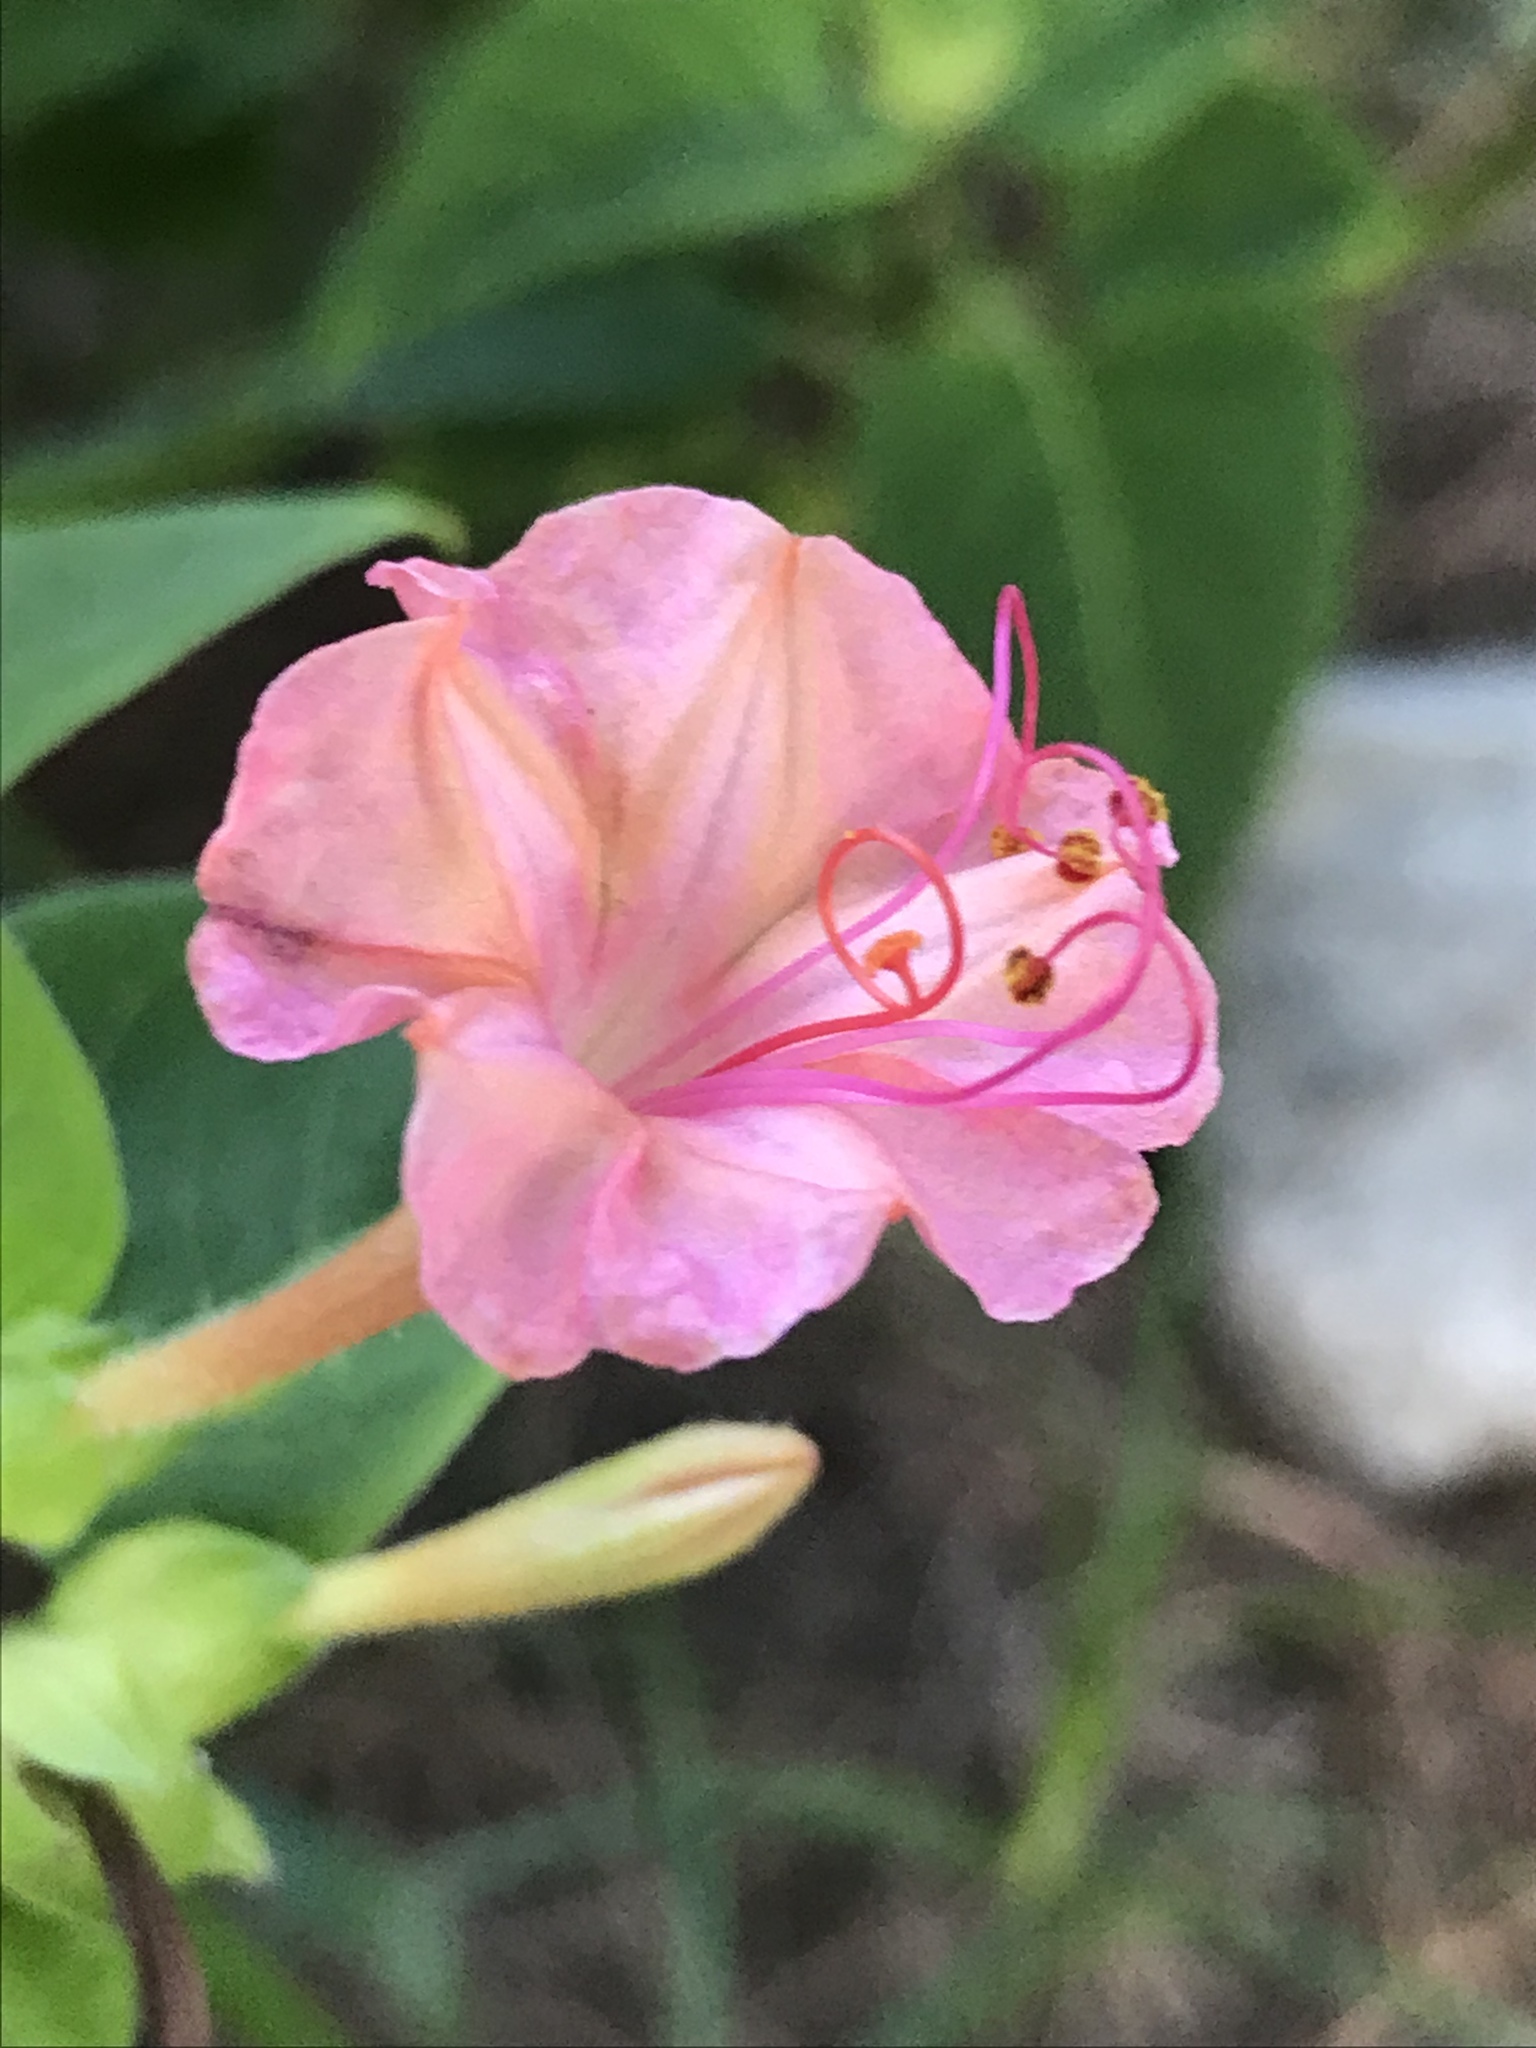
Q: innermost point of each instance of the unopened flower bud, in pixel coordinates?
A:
(667, 1510)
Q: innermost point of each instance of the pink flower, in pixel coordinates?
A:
(729, 921)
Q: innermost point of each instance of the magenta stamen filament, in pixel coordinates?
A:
(759, 1074)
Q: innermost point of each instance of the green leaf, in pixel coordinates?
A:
(45, 1855)
(652, 335)
(1177, 500)
(1121, 74)
(76, 1705)
(1265, 186)
(561, 136)
(237, 1171)
(252, 1994)
(54, 55)
(647, 336)
(57, 1473)
(942, 67)
(195, 1827)
(67, 1983)
(996, 424)
(62, 1213)
(219, 59)
(196, 1610)
(1232, 435)
(97, 608)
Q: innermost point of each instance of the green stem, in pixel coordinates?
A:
(1046, 1848)
(698, 1867)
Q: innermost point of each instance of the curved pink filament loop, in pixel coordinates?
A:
(1010, 610)
(797, 1084)
(881, 835)
(901, 1009)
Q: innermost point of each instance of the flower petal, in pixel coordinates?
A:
(732, 699)
(1137, 1053)
(1024, 1206)
(555, 1221)
(393, 831)
(729, 1228)
(507, 1152)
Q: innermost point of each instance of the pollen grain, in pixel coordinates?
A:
(1079, 858)
(1027, 976)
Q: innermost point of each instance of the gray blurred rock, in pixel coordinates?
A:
(1377, 1140)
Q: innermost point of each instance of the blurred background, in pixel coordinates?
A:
(1212, 323)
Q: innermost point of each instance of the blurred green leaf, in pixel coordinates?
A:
(942, 66)
(56, 54)
(980, 462)
(561, 136)
(56, 1474)
(686, 1828)
(1175, 497)
(67, 1983)
(1266, 185)
(195, 1609)
(62, 1213)
(195, 1827)
(77, 1706)
(1232, 435)
(44, 1853)
(651, 335)
(237, 1171)
(219, 57)
(259, 2003)
(97, 608)
(32, 855)
(1120, 74)
(639, 337)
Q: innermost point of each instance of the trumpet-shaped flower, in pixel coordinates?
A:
(729, 920)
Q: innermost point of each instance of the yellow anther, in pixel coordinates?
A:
(1078, 857)
(1005, 842)
(1153, 802)
(1028, 977)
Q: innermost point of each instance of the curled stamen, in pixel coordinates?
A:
(777, 1086)
(893, 955)
(880, 835)
(915, 1004)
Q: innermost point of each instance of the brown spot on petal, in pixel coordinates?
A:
(282, 942)
(1078, 858)
(1027, 976)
